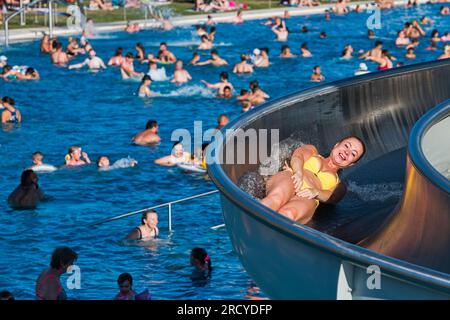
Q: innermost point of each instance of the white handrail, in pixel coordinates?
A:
(22, 10)
(167, 204)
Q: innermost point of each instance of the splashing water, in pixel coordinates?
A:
(376, 192)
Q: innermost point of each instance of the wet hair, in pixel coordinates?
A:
(223, 115)
(214, 51)
(386, 53)
(195, 54)
(304, 45)
(305, 29)
(37, 154)
(254, 84)
(63, 255)
(119, 51)
(146, 78)
(265, 49)
(163, 44)
(140, 46)
(284, 47)
(6, 69)
(315, 67)
(201, 255)
(434, 32)
(28, 178)
(145, 214)
(243, 91)
(378, 43)
(205, 37)
(323, 34)
(30, 71)
(6, 295)
(360, 140)
(175, 143)
(129, 55)
(243, 57)
(227, 88)
(212, 29)
(151, 124)
(8, 100)
(100, 159)
(224, 75)
(58, 46)
(125, 277)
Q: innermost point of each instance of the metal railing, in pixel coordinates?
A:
(167, 204)
(21, 12)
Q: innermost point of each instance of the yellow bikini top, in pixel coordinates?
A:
(328, 180)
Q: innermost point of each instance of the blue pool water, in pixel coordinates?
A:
(101, 113)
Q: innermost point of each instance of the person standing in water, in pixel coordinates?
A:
(144, 88)
(127, 68)
(10, 114)
(243, 66)
(48, 285)
(149, 135)
(180, 75)
(220, 85)
(93, 62)
(148, 228)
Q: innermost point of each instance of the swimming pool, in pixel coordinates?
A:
(100, 112)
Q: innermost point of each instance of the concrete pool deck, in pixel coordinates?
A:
(31, 34)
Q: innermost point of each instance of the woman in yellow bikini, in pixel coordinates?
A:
(310, 178)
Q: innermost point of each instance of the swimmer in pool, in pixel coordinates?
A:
(144, 88)
(375, 52)
(317, 75)
(125, 282)
(202, 264)
(46, 44)
(178, 155)
(239, 18)
(444, 11)
(180, 75)
(347, 52)
(257, 96)
(38, 165)
(117, 59)
(222, 121)
(243, 66)
(215, 60)
(28, 194)
(164, 55)
(104, 164)
(148, 229)
(140, 52)
(310, 179)
(227, 93)
(149, 135)
(402, 40)
(206, 44)
(385, 62)
(48, 285)
(286, 52)
(281, 32)
(73, 158)
(93, 62)
(263, 60)
(210, 21)
(73, 49)
(195, 58)
(10, 114)
(127, 68)
(410, 55)
(305, 51)
(219, 86)
(446, 54)
(59, 57)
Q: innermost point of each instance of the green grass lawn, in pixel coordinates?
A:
(99, 16)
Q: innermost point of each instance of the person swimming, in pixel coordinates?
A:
(117, 59)
(93, 62)
(149, 135)
(10, 114)
(28, 194)
(215, 60)
(385, 61)
(286, 52)
(38, 166)
(317, 75)
(144, 87)
(305, 50)
(48, 284)
(243, 66)
(222, 121)
(205, 44)
(73, 158)
(309, 178)
(219, 86)
(202, 264)
(178, 155)
(180, 75)
(104, 165)
(257, 95)
(148, 229)
(127, 68)
(59, 57)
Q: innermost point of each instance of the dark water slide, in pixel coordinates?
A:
(396, 213)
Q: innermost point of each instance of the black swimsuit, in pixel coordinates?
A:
(140, 233)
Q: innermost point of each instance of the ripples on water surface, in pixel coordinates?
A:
(100, 112)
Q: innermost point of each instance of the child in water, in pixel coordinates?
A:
(125, 282)
(38, 165)
(201, 262)
(104, 164)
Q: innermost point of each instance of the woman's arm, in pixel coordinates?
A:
(164, 161)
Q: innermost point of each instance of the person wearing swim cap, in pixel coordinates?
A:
(178, 155)
(309, 179)
(362, 69)
(149, 135)
(73, 158)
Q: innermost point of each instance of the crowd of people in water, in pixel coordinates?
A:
(295, 192)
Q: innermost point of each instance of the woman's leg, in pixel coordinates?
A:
(299, 209)
(279, 190)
